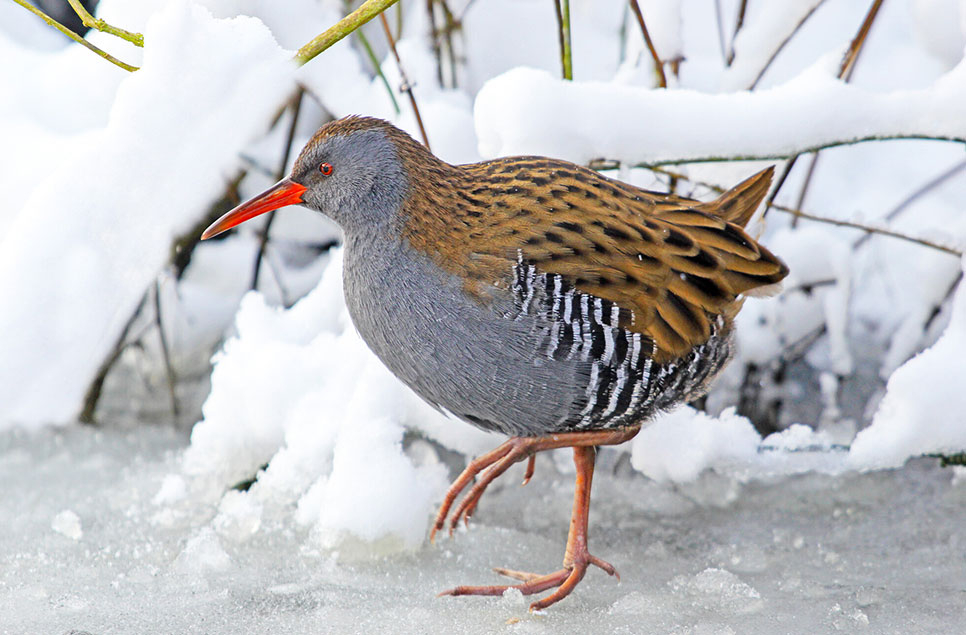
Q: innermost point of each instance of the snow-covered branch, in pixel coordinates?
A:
(527, 111)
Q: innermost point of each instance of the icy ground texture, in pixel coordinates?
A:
(877, 553)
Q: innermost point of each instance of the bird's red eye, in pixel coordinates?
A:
(325, 169)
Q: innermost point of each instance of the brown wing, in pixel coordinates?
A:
(672, 263)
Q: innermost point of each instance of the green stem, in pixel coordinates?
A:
(375, 64)
(778, 156)
(566, 57)
(100, 25)
(342, 28)
(63, 29)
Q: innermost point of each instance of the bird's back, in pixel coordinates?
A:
(563, 299)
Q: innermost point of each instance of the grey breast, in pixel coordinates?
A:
(539, 358)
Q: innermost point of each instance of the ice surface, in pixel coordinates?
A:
(808, 554)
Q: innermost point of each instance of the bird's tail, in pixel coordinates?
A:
(738, 204)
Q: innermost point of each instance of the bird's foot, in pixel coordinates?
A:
(488, 467)
(564, 580)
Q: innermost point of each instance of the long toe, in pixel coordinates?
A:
(565, 580)
(534, 584)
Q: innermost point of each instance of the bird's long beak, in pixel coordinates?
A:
(285, 192)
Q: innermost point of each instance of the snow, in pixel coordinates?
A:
(69, 524)
(921, 412)
(96, 228)
(811, 110)
(302, 499)
(810, 553)
(765, 28)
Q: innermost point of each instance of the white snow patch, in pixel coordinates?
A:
(202, 554)
(683, 443)
(921, 412)
(95, 232)
(719, 590)
(68, 523)
(298, 392)
(528, 111)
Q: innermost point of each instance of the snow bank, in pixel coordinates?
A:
(298, 392)
(922, 411)
(97, 224)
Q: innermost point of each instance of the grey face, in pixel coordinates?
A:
(366, 185)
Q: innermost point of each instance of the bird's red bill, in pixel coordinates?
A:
(285, 192)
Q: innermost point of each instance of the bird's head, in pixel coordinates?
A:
(351, 171)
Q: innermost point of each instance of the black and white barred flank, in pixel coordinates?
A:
(625, 384)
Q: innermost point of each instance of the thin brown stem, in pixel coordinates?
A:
(658, 64)
(63, 29)
(855, 47)
(739, 22)
(781, 46)
(845, 73)
(263, 238)
(720, 23)
(881, 231)
(434, 36)
(610, 164)
(920, 191)
(808, 181)
(165, 351)
(406, 87)
(451, 25)
(96, 387)
(377, 67)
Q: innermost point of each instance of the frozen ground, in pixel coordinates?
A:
(880, 553)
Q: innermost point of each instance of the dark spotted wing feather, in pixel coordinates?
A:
(669, 264)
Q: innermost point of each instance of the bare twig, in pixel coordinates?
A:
(296, 104)
(452, 24)
(740, 22)
(342, 28)
(778, 156)
(100, 25)
(96, 387)
(406, 87)
(781, 46)
(378, 68)
(920, 191)
(845, 73)
(808, 181)
(720, 22)
(165, 355)
(658, 64)
(63, 29)
(938, 307)
(434, 36)
(855, 47)
(563, 24)
(882, 231)
(443, 35)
